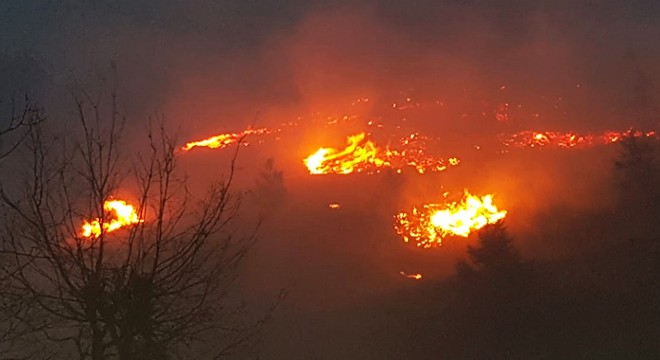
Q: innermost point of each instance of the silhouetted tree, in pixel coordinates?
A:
(494, 303)
(13, 309)
(269, 187)
(637, 164)
(638, 182)
(16, 128)
(155, 290)
(494, 258)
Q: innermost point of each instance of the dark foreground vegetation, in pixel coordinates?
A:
(158, 289)
(601, 304)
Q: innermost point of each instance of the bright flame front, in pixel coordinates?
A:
(122, 214)
(428, 225)
(417, 276)
(358, 155)
(223, 140)
(362, 155)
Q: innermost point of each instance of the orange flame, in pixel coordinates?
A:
(223, 140)
(362, 155)
(570, 139)
(429, 225)
(334, 206)
(411, 276)
(124, 214)
(358, 154)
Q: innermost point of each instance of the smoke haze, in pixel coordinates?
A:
(460, 72)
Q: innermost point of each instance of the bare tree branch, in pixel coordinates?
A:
(149, 290)
(18, 126)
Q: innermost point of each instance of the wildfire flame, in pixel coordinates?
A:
(570, 139)
(122, 214)
(223, 140)
(411, 276)
(358, 154)
(428, 225)
(362, 155)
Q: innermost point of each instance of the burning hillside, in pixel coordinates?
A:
(429, 224)
(221, 141)
(361, 155)
(569, 139)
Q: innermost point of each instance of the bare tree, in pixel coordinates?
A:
(16, 128)
(13, 131)
(152, 290)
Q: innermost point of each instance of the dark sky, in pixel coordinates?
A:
(181, 57)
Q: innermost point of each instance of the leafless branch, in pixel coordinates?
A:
(151, 288)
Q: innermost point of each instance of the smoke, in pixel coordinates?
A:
(209, 67)
(218, 63)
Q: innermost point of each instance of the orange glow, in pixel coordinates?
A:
(334, 206)
(570, 139)
(428, 225)
(411, 276)
(122, 214)
(362, 155)
(358, 155)
(223, 140)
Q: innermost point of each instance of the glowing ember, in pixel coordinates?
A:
(411, 276)
(223, 140)
(570, 139)
(334, 206)
(429, 225)
(122, 214)
(362, 155)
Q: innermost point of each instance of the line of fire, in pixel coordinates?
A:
(425, 225)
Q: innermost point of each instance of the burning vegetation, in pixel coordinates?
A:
(570, 139)
(429, 224)
(361, 155)
(120, 214)
(221, 141)
(417, 276)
